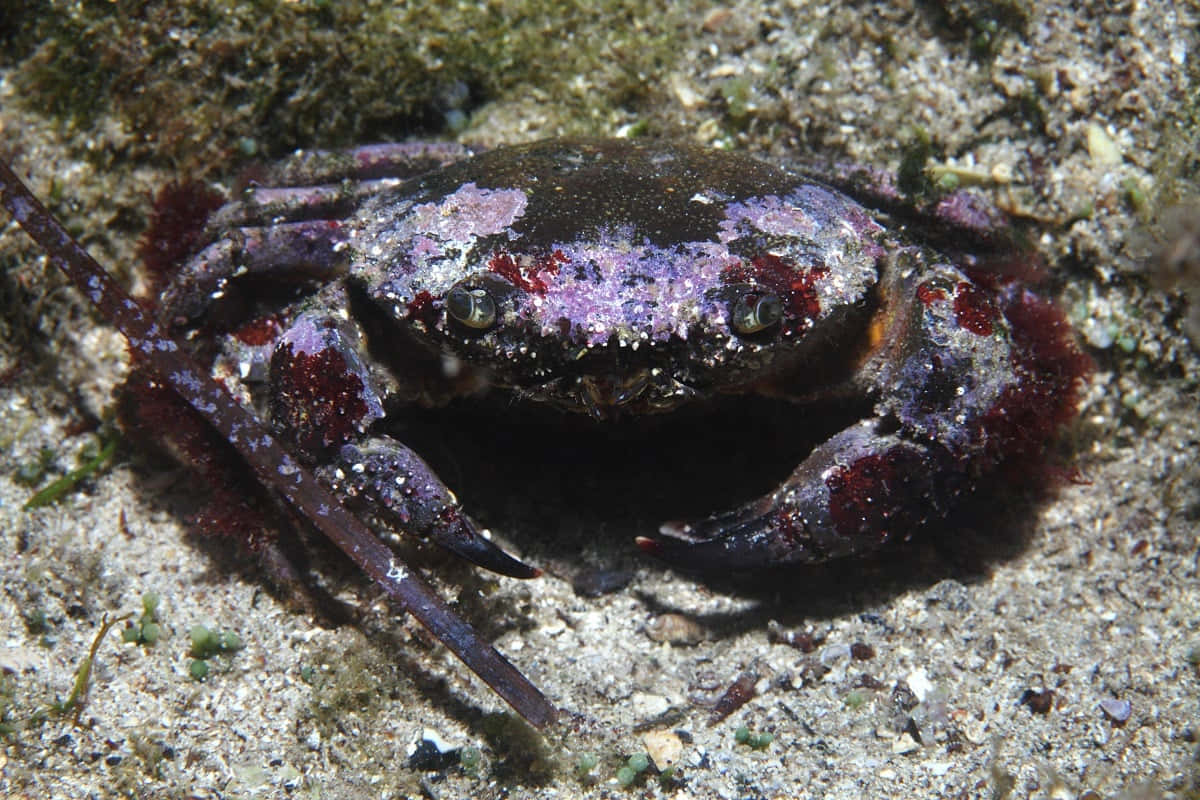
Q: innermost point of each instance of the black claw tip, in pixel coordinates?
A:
(465, 540)
(489, 556)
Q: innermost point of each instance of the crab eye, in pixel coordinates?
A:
(474, 308)
(752, 313)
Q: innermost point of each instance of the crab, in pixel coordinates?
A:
(622, 278)
(606, 280)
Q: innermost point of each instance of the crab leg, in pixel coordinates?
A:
(955, 215)
(387, 160)
(293, 250)
(272, 205)
(321, 184)
(274, 466)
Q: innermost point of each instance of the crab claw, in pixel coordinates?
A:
(849, 496)
(392, 482)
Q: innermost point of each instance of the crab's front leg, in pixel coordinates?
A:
(323, 398)
(964, 377)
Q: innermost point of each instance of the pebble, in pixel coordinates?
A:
(676, 629)
(664, 746)
(647, 706)
(919, 682)
(905, 743)
(597, 582)
(1118, 711)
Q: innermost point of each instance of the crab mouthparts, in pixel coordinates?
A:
(642, 391)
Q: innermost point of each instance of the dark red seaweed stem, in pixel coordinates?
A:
(273, 465)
